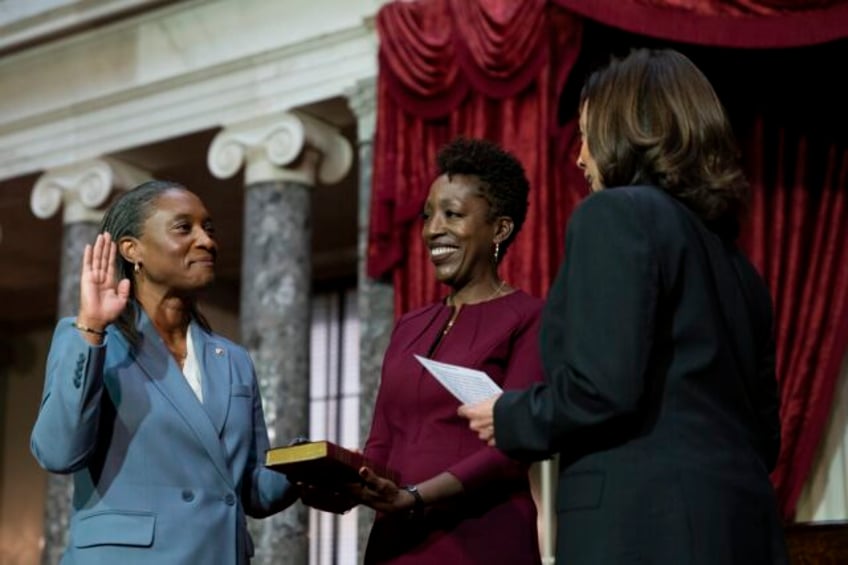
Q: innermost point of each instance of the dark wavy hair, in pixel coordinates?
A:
(654, 118)
(503, 182)
(125, 218)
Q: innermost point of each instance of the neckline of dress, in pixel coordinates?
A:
(507, 294)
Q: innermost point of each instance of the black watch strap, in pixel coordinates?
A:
(419, 502)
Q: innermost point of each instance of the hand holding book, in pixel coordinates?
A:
(327, 474)
(326, 499)
(377, 492)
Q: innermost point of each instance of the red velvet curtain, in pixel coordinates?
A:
(725, 23)
(490, 69)
(796, 155)
(496, 69)
(797, 237)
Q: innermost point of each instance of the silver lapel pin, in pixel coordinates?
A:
(219, 351)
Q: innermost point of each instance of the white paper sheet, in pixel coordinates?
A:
(469, 386)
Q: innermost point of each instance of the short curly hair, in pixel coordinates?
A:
(503, 182)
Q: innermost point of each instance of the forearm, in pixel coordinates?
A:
(65, 431)
(270, 492)
(267, 491)
(524, 423)
(440, 488)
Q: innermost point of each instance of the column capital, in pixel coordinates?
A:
(290, 146)
(362, 99)
(83, 188)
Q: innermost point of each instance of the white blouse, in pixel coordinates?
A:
(191, 369)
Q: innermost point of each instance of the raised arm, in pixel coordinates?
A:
(65, 431)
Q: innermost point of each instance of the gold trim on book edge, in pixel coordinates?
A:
(292, 453)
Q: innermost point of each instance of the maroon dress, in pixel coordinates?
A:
(417, 432)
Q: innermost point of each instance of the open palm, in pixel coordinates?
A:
(102, 298)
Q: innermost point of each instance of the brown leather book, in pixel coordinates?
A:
(323, 463)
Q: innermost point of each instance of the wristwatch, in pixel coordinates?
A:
(418, 507)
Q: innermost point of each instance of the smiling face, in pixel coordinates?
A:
(458, 231)
(585, 160)
(176, 249)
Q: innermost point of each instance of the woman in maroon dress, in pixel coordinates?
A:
(464, 502)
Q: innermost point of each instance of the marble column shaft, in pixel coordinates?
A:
(375, 298)
(284, 156)
(275, 328)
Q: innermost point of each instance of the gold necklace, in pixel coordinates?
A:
(495, 294)
(450, 323)
(497, 291)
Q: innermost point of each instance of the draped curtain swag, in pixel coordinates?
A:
(497, 68)
(488, 69)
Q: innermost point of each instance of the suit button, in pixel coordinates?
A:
(230, 500)
(76, 383)
(188, 496)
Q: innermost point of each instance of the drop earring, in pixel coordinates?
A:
(497, 251)
(136, 268)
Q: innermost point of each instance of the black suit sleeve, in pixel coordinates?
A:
(596, 331)
(764, 393)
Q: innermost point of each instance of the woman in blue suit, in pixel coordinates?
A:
(158, 419)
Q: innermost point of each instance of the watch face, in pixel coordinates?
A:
(419, 502)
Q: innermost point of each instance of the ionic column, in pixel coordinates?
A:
(80, 190)
(376, 298)
(282, 156)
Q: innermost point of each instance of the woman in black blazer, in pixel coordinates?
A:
(656, 339)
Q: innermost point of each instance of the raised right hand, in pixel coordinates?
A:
(102, 298)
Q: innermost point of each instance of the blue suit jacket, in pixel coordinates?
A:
(158, 476)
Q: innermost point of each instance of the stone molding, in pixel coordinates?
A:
(362, 100)
(291, 146)
(83, 188)
(177, 70)
(31, 21)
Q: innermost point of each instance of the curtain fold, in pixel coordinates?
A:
(522, 53)
(726, 23)
(796, 236)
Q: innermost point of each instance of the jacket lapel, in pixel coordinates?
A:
(214, 360)
(162, 369)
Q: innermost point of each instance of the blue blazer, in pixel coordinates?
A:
(158, 476)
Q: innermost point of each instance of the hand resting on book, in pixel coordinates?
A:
(334, 479)
(377, 492)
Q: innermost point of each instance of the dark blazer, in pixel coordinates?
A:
(661, 396)
(158, 476)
